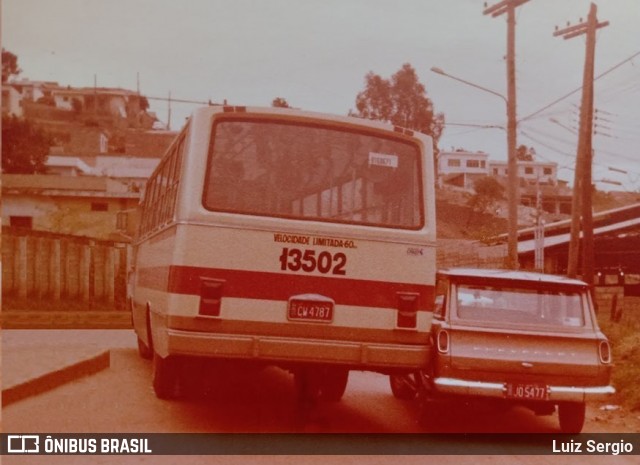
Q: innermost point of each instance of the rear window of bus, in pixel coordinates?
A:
(313, 172)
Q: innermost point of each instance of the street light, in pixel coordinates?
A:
(608, 181)
(512, 184)
(441, 72)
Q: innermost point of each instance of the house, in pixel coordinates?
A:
(461, 168)
(616, 234)
(11, 101)
(80, 205)
(31, 91)
(67, 166)
(531, 171)
(113, 107)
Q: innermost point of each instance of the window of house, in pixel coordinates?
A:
(547, 171)
(25, 222)
(122, 220)
(99, 206)
(473, 163)
(528, 170)
(453, 162)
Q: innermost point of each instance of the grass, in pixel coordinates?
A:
(625, 340)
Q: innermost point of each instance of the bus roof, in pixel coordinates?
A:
(294, 112)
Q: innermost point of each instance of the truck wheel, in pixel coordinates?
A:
(165, 377)
(333, 384)
(403, 386)
(571, 416)
(429, 405)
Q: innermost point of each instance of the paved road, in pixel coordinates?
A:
(120, 399)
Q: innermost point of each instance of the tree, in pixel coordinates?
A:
(24, 146)
(9, 65)
(524, 153)
(401, 100)
(144, 103)
(488, 192)
(280, 102)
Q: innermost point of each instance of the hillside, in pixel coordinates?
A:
(455, 220)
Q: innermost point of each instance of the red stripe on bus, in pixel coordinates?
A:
(277, 286)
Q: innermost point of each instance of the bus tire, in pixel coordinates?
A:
(571, 416)
(334, 384)
(144, 350)
(307, 385)
(165, 377)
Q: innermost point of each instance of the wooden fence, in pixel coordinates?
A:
(44, 266)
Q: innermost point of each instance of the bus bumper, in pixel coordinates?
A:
(356, 355)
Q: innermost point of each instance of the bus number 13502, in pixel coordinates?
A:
(307, 260)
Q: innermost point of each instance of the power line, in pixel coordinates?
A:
(579, 88)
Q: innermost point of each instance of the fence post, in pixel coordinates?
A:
(109, 275)
(21, 267)
(85, 260)
(40, 272)
(55, 275)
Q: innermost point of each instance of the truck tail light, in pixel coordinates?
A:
(442, 340)
(407, 316)
(210, 296)
(604, 350)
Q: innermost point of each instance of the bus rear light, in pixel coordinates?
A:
(443, 341)
(604, 350)
(210, 296)
(407, 310)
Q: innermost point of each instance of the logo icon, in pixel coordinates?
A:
(23, 444)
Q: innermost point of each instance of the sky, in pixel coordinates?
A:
(316, 53)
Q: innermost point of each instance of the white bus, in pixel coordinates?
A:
(288, 238)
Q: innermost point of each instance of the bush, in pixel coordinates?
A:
(625, 341)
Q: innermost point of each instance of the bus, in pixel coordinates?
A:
(282, 237)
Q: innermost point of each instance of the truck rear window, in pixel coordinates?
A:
(520, 306)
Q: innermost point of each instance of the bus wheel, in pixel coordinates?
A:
(307, 384)
(334, 383)
(165, 377)
(571, 416)
(403, 386)
(144, 350)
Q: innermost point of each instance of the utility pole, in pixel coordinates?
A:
(582, 185)
(169, 112)
(539, 231)
(508, 7)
